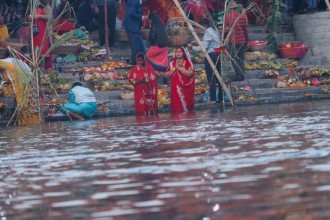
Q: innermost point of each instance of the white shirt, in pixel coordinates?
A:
(210, 40)
(83, 94)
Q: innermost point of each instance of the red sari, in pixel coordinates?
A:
(145, 94)
(182, 88)
(41, 40)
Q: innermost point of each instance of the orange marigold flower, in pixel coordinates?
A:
(162, 91)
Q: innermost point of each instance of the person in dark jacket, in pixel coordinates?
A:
(111, 20)
(157, 36)
(132, 23)
(236, 29)
(87, 15)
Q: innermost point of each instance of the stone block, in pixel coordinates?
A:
(293, 93)
(264, 85)
(272, 95)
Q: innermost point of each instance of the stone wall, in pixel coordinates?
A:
(314, 30)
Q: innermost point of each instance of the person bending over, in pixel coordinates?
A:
(82, 102)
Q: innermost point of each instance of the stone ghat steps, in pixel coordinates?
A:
(278, 95)
(282, 37)
(260, 74)
(282, 99)
(253, 29)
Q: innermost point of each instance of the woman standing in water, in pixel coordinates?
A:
(143, 77)
(181, 73)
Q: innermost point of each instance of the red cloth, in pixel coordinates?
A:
(41, 39)
(145, 94)
(158, 56)
(239, 23)
(182, 87)
(62, 26)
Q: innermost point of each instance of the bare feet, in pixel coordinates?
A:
(76, 116)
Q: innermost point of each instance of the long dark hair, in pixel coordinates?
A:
(158, 35)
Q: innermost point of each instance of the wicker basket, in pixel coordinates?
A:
(263, 55)
(121, 35)
(3, 52)
(145, 33)
(251, 56)
(66, 49)
(294, 52)
(257, 47)
(15, 46)
(178, 41)
(127, 96)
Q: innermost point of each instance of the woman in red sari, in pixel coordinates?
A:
(181, 73)
(143, 77)
(41, 40)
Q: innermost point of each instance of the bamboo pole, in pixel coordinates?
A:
(328, 4)
(204, 51)
(106, 29)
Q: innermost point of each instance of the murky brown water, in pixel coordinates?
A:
(262, 162)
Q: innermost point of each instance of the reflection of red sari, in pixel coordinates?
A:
(182, 89)
(145, 94)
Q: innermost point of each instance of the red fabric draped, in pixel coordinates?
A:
(62, 26)
(41, 39)
(182, 87)
(158, 56)
(145, 94)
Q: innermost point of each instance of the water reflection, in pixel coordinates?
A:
(261, 162)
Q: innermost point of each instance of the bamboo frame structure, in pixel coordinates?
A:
(29, 85)
(217, 74)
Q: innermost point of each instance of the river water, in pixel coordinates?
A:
(260, 162)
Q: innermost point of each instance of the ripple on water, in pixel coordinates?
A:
(207, 166)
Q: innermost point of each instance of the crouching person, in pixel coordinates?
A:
(82, 103)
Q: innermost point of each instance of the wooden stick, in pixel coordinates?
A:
(204, 51)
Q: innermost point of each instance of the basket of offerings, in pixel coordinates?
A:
(121, 35)
(67, 48)
(257, 45)
(178, 41)
(262, 55)
(251, 56)
(293, 51)
(177, 36)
